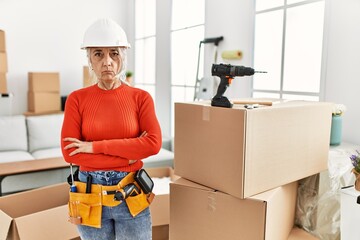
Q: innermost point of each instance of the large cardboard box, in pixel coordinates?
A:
(44, 102)
(2, 41)
(247, 151)
(350, 213)
(199, 212)
(44, 81)
(37, 214)
(3, 83)
(3, 62)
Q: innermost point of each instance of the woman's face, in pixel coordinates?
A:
(106, 62)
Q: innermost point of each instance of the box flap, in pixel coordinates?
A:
(159, 172)
(187, 183)
(49, 224)
(21, 204)
(5, 224)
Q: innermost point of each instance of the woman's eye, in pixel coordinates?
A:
(114, 54)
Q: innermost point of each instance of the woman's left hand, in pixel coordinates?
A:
(81, 146)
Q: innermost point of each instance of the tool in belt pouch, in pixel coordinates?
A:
(85, 207)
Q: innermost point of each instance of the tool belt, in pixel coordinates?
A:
(86, 208)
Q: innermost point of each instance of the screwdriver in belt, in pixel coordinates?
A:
(73, 186)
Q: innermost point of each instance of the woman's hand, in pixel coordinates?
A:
(81, 146)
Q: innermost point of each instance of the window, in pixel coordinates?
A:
(145, 45)
(187, 30)
(288, 45)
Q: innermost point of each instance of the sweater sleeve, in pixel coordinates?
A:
(139, 147)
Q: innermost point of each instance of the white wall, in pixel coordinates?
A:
(234, 20)
(343, 63)
(45, 36)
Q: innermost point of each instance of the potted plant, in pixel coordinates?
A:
(355, 161)
(129, 75)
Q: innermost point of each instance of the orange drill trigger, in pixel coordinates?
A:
(229, 79)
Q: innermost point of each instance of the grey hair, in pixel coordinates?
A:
(121, 75)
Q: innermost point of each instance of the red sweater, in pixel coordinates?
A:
(112, 120)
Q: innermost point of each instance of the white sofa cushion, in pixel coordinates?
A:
(162, 159)
(15, 156)
(13, 135)
(47, 153)
(44, 131)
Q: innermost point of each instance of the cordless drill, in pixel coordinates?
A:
(129, 190)
(227, 72)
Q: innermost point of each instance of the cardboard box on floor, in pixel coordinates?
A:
(44, 82)
(44, 102)
(43, 213)
(37, 214)
(247, 151)
(199, 212)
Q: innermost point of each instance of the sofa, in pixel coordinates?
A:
(26, 138)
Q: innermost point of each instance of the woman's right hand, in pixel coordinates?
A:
(132, 161)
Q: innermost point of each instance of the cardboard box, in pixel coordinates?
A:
(44, 81)
(44, 101)
(350, 213)
(3, 83)
(3, 62)
(2, 41)
(199, 212)
(247, 151)
(37, 214)
(300, 234)
(86, 77)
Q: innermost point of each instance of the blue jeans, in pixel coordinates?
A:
(117, 222)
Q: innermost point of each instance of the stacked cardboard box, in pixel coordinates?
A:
(5, 97)
(242, 166)
(44, 92)
(3, 63)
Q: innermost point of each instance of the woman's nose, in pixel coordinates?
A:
(107, 60)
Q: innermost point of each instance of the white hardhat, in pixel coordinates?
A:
(105, 33)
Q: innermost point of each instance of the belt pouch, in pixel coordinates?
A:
(85, 208)
(137, 204)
